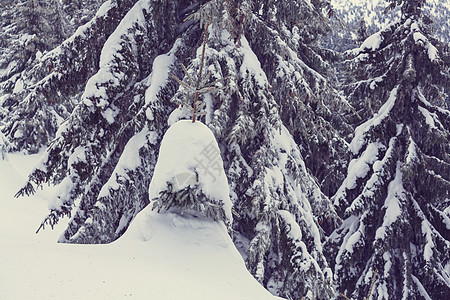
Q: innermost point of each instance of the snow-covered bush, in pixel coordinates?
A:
(189, 175)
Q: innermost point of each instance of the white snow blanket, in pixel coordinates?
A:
(161, 256)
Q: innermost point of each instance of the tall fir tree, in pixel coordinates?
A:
(79, 12)
(38, 97)
(394, 241)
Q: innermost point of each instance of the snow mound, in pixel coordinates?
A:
(189, 155)
(195, 257)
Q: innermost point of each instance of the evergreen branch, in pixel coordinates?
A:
(181, 82)
(342, 295)
(205, 79)
(28, 190)
(207, 90)
(219, 80)
(371, 284)
(53, 218)
(235, 213)
(191, 80)
(187, 105)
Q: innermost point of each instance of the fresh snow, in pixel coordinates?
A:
(358, 168)
(412, 153)
(429, 118)
(351, 225)
(18, 87)
(161, 256)
(354, 236)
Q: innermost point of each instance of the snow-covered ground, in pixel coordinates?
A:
(162, 256)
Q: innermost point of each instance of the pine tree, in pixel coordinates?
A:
(29, 28)
(79, 12)
(109, 123)
(43, 94)
(395, 198)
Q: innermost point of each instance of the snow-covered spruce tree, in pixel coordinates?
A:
(303, 83)
(28, 28)
(277, 200)
(105, 153)
(97, 153)
(395, 199)
(37, 98)
(79, 12)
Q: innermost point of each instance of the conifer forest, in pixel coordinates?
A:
(313, 135)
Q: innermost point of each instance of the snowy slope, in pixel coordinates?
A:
(162, 256)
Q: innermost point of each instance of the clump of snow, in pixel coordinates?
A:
(18, 133)
(388, 263)
(178, 114)
(189, 154)
(251, 64)
(354, 236)
(358, 168)
(423, 41)
(160, 72)
(129, 160)
(18, 87)
(79, 154)
(422, 290)
(412, 153)
(360, 132)
(149, 114)
(63, 190)
(428, 251)
(396, 193)
(376, 80)
(352, 225)
(429, 117)
(109, 114)
(372, 43)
